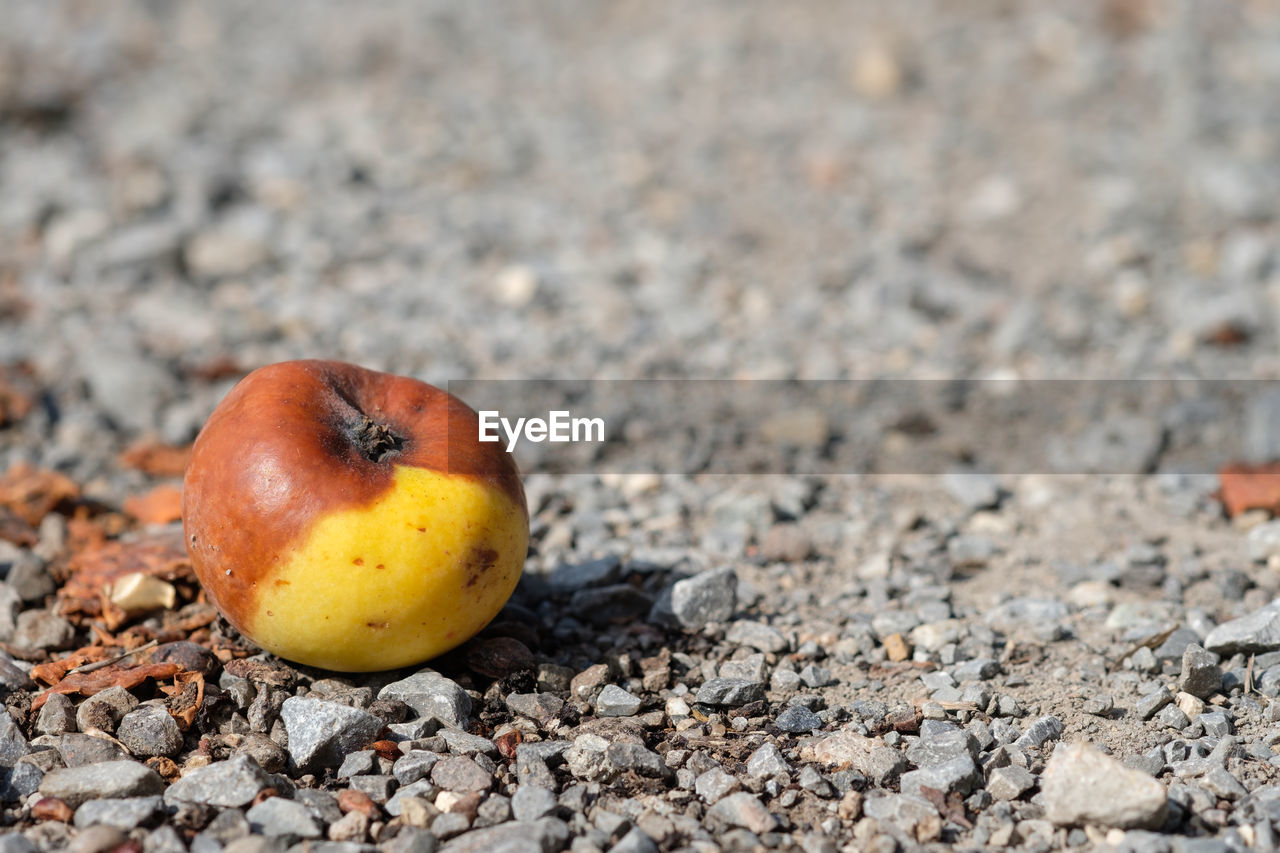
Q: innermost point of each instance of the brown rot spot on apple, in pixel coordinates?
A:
(380, 566)
(480, 561)
(422, 530)
(358, 561)
(377, 625)
(281, 582)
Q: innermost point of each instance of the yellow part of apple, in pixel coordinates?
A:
(403, 579)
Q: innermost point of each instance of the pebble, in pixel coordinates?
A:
(13, 744)
(569, 578)
(321, 733)
(542, 708)
(414, 765)
(959, 774)
(150, 730)
(707, 597)
(1255, 633)
(715, 784)
(531, 802)
(766, 762)
(974, 491)
(107, 780)
(613, 701)
(40, 629)
(278, 817)
(431, 694)
(461, 774)
(729, 691)
(849, 749)
(1040, 732)
(797, 718)
(1201, 676)
(545, 835)
(1010, 782)
(758, 636)
(1082, 785)
(745, 810)
(225, 784)
(609, 604)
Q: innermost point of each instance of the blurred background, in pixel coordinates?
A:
(626, 189)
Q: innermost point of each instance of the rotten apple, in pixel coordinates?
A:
(350, 519)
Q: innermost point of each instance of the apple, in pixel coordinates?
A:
(349, 519)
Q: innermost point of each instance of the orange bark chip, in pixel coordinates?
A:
(1245, 487)
(156, 458)
(32, 493)
(161, 505)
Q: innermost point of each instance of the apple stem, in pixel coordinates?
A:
(376, 440)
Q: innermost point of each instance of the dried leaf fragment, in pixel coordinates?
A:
(156, 458)
(161, 505)
(32, 493)
(1244, 487)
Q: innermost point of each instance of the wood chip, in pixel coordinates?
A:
(156, 458)
(32, 493)
(161, 505)
(1245, 487)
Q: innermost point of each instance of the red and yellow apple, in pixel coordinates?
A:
(350, 519)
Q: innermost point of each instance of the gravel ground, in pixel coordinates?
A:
(810, 190)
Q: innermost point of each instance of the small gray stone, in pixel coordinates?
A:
(108, 780)
(632, 756)
(10, 607)
(414, 765)
(798, 718)
(729, 691)
(635, 841)
(767, 762)
(813, 781)
(1172, 717)
(978, 669)
(150, 730)
(758, 636)
(1201, 676)
(104, 710)
(465, 743)
(422, 788)
(1082, 785)
(942, 747)
(542, 708)
(57, 715)
(531, 802)
(745, 810)
(706, 597)
(77, 750)
(431, 695)
(1219, 782)
(1149, 705)
(959, 774)
(14, 842)
(13, 745)
(1255, 633)
(1100, 705)
(42, 629)
(715, 784)
(1010, 782)
(461, 774)
(1040, 732)
(613, 701)
(359, 763)
(609, 604)
(124, 814)
(226, 784)
(973, 490)
(1216, 724)
(568, 579)
(278, 817)
(1263, 541)
(409, 839)
(375, 786)
(321, 733)
(545, 835)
